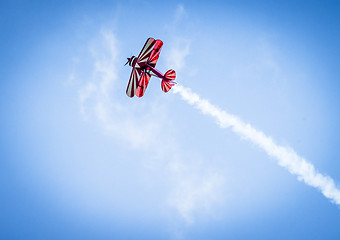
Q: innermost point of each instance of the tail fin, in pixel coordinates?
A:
(168, 80)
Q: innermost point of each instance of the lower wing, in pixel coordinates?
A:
(143, 83)
(133, 82)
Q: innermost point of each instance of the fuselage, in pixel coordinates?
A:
(144, 66)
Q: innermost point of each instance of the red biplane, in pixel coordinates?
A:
(143, 67)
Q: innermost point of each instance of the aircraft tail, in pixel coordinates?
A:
(168, 80)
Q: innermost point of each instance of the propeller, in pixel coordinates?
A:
(128, 60)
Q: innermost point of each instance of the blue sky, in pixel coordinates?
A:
(79, 159)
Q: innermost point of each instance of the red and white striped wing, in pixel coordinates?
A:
(142, 84)
(133, 82)
(145, 53)
(155, 53)
(150, 52)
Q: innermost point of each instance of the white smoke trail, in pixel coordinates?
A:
(286, 157)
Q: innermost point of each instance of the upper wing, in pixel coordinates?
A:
(133, 82)
(146, 51)
(143, 83)
(150, 52)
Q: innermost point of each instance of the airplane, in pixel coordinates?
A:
(143, 67)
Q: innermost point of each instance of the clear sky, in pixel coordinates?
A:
(81, 160)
